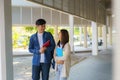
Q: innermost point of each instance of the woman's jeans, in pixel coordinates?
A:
(59, 73)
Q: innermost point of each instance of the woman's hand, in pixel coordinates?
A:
(60, 62)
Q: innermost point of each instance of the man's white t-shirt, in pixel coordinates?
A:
(40, 40)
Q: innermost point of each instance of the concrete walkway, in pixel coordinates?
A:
(94, 68)
(23, 68)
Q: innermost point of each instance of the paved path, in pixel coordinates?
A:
(22, 66)
(92, 68)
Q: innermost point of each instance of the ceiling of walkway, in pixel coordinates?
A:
(80, 9)
(109, 6)
(108, 3)
(27, 3)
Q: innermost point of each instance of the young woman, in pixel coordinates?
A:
(63, 62)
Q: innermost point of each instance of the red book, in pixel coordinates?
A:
(46, 44)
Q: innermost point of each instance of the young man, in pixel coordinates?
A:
(42, 55)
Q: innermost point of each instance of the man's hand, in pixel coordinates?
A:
(60, 62)
(42, 50)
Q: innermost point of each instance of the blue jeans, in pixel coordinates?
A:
(58, 73)
(44, 68)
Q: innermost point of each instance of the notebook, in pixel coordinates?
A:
(46, 44)
(59, 52)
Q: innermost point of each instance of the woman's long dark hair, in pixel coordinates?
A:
(64, 39)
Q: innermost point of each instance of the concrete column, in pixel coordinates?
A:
(80, 29)
(100, 31)
(116, 39)
(104, 35)
(110, 35)
(6, 59)
(110, 30)
(56, 34)
(94, 38)
(109, 25)
(85, 36)
(71, 32)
